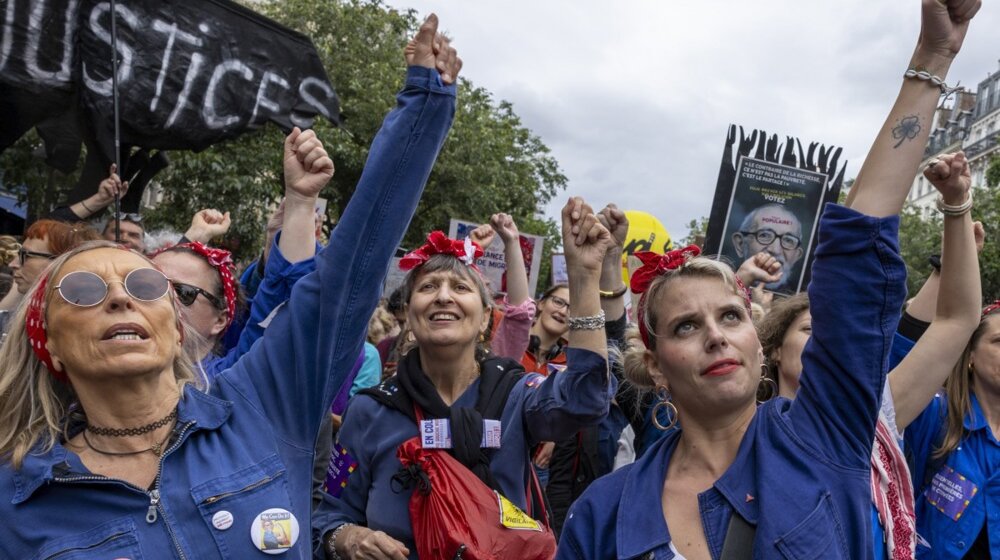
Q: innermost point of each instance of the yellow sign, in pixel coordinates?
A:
(512, 517)
(645, 233)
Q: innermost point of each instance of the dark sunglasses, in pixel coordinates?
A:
(186, 294)
(24, 254)
(86, 289)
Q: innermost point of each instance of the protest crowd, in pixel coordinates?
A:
(158, 402)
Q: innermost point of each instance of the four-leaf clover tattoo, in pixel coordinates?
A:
(907, 129)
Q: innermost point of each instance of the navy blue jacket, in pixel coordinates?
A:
(248, 444)
(801, 474)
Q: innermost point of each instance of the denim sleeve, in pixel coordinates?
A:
(279, 278)
(855, 297)
(312, 343)
(571, 399)
(355, 437)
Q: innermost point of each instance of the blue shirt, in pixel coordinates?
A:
(248, 444)
(969, 473)
(538, 409)
(279, 278)
(802, 471)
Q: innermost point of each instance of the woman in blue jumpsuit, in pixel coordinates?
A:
(791, 476)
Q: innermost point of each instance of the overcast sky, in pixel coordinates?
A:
(634, 97)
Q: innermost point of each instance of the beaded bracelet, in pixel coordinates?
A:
(331, 542)
(589, 323)
(926, 76)
(954, 210)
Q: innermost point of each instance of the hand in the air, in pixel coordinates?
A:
(505, 227)
(483, 235)
(208, 224)
(307, 166)
(111, 186)
(615, 221)
(944, 24)
(951, 176)
(585, 240)
(762, 267)
(431, 49)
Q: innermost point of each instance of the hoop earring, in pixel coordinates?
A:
(766, 385)
(664, 396)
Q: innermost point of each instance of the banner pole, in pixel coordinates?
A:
(114, 98)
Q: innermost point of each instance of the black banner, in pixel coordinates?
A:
(190, 73)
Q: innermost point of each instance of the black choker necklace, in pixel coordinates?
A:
(126, 432)
(156, 448)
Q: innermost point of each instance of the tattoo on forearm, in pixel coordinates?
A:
(907, 129)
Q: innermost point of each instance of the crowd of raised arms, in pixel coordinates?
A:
(160, 403)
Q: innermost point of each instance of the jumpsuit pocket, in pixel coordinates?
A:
(230, 504)
(819, 535)
(114, 539)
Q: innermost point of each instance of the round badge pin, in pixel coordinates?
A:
(274, 531)
(222, 520)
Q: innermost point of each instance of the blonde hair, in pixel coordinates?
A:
(8, 249)
(633, 360)
(958, 392)
(33, 406)
(380, 324)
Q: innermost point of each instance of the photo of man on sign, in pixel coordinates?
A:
(773, 229)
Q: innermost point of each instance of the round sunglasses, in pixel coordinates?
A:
(86, 289)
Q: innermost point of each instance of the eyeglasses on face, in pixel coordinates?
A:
(559, 302)
(186, 294)
(24, 254)
(86, 289)
(767, 236)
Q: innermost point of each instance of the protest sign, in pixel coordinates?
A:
(559, 273)
(493, 264)
(769, 198)
(190, 74)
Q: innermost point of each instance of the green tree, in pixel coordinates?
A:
(993, 172)
(696, 232)
(920, 237)
(489, 163)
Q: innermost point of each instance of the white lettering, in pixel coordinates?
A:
(172, 33)
(208, 112)
(8, 34)
(262, 99)
(35, 20)
(196, 61)
(103, 87)
(312, 101)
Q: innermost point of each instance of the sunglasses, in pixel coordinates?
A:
(186, 294)
(24, 254)
(86, 289)
(129, 217)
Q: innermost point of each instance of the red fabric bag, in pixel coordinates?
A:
(455, 515)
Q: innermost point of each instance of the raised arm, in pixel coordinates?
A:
(612, 286)
(887, 174)
(923, 371)
(312, 343)
(517, 275)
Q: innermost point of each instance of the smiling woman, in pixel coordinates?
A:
(450, 377)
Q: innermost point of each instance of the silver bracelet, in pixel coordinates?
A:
(926, 76)
(589, 323)
(331, 542)
(956, 210)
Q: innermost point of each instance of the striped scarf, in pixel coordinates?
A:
(892, 494)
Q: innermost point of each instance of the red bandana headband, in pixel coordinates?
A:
(440, 244)
(654, 266)
(991, 308)
(222, 261)
(35, 329)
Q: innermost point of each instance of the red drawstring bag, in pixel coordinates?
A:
(455, 515)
